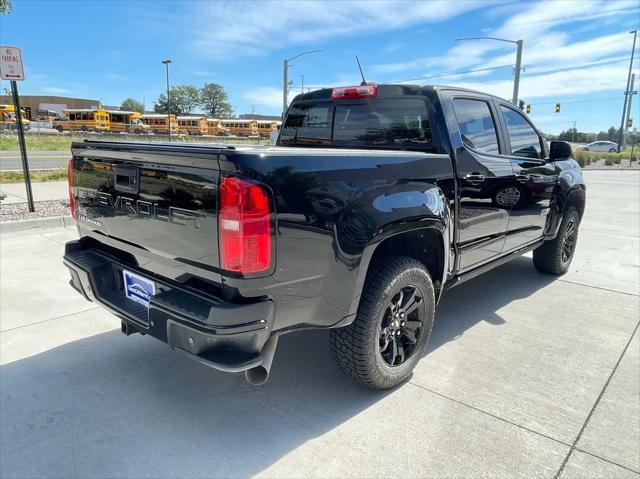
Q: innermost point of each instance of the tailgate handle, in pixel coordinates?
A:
(127, 179)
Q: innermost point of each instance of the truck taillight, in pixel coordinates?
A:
(244, 219)
(72, 197)
(348, 92)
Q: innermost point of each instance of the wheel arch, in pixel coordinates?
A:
(425, 243)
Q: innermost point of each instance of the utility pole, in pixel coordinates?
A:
(301, 83)
(166, 63)
(629, 102)
(285, 78)
(516, 79)
(627, 92)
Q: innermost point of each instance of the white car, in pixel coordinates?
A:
(608, 146)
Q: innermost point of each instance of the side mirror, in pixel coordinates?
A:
(559, 150)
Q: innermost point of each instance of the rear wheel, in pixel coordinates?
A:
(59, 128)
(554, 256)
(612, 150)
(392, 327)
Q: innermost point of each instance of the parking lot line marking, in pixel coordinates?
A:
(595, 405)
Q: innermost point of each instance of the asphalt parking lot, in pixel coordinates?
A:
(527, 375)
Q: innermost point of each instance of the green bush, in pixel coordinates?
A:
(581, 160)
(608, 161)
(617, 160)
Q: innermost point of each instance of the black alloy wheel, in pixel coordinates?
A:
(401, 326)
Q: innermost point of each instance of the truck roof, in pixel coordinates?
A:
(389, 90)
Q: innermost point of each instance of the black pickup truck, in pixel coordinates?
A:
(374, 201)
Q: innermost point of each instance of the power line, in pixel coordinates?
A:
(451, 74)
(580, 100)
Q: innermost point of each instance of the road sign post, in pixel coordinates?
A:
(11, 69)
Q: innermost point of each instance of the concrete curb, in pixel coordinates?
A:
(36, 223)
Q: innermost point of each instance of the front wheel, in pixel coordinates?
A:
(612, 150)
(392, 327)
(554, 256)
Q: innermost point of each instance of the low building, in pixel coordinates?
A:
(47, 102)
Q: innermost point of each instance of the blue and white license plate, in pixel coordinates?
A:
(137, 288)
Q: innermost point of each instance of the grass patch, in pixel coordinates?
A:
(60, 142)
(37, 176)
(35, 143)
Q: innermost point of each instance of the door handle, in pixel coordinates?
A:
(522, 178)
(474, 178)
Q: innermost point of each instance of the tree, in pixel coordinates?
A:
(131, 104)
(184, 99)
(5, 7)
(213, 100)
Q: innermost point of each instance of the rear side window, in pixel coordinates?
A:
(308, 124)
(381, 123)
(524, 139)
(477, 128)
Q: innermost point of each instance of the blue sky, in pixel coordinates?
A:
(575, 53)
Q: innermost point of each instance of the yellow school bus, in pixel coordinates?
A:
(8, 118)
(239, 127)
(82, 119)
(127, 122)
(158, 122)
(193, 125)
(46, 115)
(216, 128)
(266, 127)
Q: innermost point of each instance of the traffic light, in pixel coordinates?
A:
(629, 122)
(557, 107)
(521, 104)
(528, 108)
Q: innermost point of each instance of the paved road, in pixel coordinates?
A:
(527, 376)
(38, 160)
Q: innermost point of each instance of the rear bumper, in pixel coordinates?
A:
(224, 336)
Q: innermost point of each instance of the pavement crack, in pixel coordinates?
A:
(595, 405)
(520, 426)
(598, 287)
(50, 319)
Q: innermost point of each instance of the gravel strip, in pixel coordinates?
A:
(623, 165)
(44, 209)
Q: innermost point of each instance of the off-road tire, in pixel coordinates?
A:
(548, 258)
(356, 347)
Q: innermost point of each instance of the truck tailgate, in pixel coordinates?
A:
(156, 202)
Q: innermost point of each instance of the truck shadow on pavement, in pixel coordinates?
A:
(112, 406)
(481, 298)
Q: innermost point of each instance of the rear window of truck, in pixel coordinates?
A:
(380, 123)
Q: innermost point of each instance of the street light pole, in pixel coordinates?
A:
(166, 63)
(627, 92)
(516, 79)
(285, 78)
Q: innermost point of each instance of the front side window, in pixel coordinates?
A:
(477, 128)
(525, 141)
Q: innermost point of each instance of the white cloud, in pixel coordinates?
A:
(231, 29)
(265, 96)
(576, 81)
(542, 46)
(56, 90)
